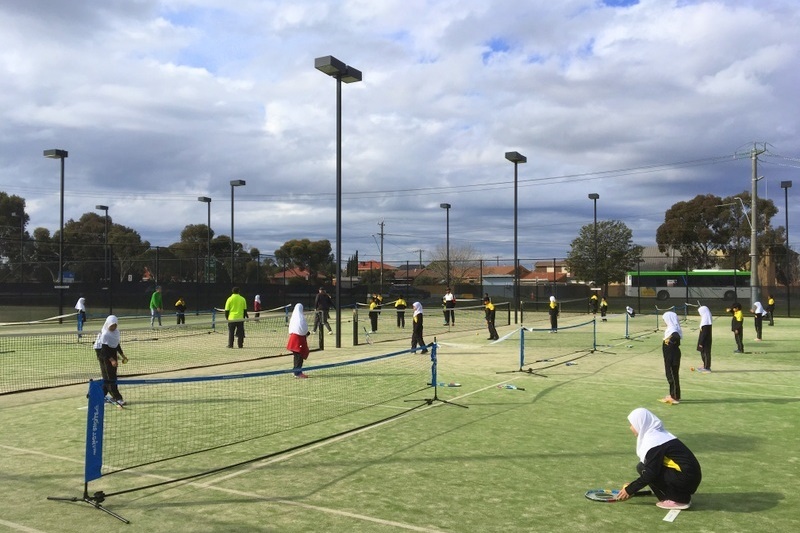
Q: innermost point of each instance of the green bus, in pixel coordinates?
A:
(691, 285)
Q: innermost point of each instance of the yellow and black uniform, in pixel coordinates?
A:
(374, 312)
(771, 310)
(737, 326)
(553, 312)
(235, 313)
(593, 303)
(603, 308)
(488, 308)
(400, 305)
(671, 470)
(180, 311)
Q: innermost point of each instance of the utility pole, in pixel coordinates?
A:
(754, 288)
(381, 224)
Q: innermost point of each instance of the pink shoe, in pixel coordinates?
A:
(669, 504)
(301, 375)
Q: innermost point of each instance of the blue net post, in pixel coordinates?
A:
(434, 376)
(94, 431)
(521, 347)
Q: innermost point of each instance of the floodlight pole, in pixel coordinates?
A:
(234, 183)
(754, 288)
(447, 207)
(786, 185)
(516, 158)
(594, 196)
(343, 73)
(56, 153)
(207, 200)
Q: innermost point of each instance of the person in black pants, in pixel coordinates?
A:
(671, 350)
(553, 311)
(400, 305)
(322, 305)
(416, 329)
(737, 325)
(107, 347)
(488, 308)
(449, 301)
(667, 465)
(758, 318)
(704, 339)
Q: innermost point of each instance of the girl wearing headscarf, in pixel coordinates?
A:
(553, 311)
(758, 318)
(416, 330)
(671, 349)
(704, 339)
(298, 342)
(107, 347)
(80, 306)
(666, 464)
(257, 306)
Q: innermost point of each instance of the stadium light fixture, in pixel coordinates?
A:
(516, 158)
(447, 207)
(786, 185)
(234, 184)
(594, 197)
(343, 73)
(57, 153)
(207, 200)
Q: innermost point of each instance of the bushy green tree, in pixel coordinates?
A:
(616, 253)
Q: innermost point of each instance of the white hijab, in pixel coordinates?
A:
(108, 336)
(81, 305)
(650, 431)
(673, 325)
(552, 298)
(759, 309)
(417, 308)
(258, 298)
(298, 324)
(705, 315)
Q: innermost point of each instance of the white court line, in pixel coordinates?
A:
(19, 527)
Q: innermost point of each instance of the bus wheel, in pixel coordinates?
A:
(729, 295)
(662, 295)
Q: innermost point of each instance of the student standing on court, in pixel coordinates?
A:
(737, 325)
(416, 329)
(666, 464)
(180, 310)
(235, 313)
(257, 306)
(298, 339)
(593, 303)
(603, 308)
(107, 346)
(449, 301)
(671, 350)
(156, 305)
(80, 306)
(490, 311)
(374, 312)
(553, 312)
(771, 310)
(400, 306)
(758, 319)
(704, 339)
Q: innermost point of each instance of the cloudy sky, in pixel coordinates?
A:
(160, 101)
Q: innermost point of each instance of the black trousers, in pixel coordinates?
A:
(672, 485)
(298, 363)
(236, 328)
(401, 319)
(373, 319)
(109, 373)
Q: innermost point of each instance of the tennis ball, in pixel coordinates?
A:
(691, 368)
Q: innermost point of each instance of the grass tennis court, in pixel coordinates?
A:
(515, 460)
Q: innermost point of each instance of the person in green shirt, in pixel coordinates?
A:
(235, 313)
(156, 305)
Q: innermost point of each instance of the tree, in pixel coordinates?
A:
(462, 260)
(314, 257)
(616, 253)
(13, 220)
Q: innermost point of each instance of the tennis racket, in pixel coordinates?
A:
(369, 339)
(509, 386)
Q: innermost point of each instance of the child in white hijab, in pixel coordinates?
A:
(107, 346)
(416, 329)
(671, 350)
(80, 307)
(758, 318)
(298, 339)
(666, 464)
(704, 339)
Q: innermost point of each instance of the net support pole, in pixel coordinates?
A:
(627, 331)
(355, 326)
(521, 348)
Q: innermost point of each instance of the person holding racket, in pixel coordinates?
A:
(106, 347)
(667, 465)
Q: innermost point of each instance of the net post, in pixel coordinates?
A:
(594, 334)
(627, 318)
(521, 348)
(213, 319)
(355, 325)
